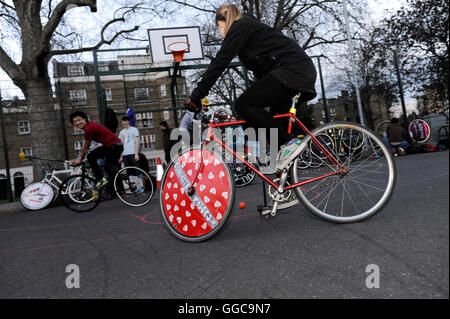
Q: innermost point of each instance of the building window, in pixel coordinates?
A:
(166, 114)
(103, 67)
(141, 94)
(148, 142)
(24, 127)
(77, 145)
(163, 90)
(333, 112)
(144, 120)
(75, 70)
(28, 154)
(78, 96)
(108, 94)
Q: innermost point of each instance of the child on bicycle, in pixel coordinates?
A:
(281, 67)
(110, 150)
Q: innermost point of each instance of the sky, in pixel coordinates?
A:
(378, 9)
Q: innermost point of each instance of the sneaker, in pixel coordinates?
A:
(287, 152)
(401, 151)
(141, 189)
(101, 183)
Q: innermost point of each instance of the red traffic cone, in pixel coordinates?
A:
(159, 172)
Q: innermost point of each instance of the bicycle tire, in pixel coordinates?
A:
(32, 196)
(129, 189)
(379, 163)
(200, 216)
(77, 193)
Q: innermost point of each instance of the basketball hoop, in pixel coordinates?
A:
(178, 49)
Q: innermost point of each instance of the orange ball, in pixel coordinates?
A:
(242, 205)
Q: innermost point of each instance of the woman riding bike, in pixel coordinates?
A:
(281, 67)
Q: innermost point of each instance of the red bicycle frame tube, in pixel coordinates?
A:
(318, 144)
(211, 137)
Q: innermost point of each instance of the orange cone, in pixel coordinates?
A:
(159, 172)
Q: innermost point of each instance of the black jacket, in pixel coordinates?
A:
(262, 50)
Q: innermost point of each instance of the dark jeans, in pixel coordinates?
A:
(266, 92)
(128, 160)
(111, 154)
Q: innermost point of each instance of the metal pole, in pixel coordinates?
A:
(325, 106)
(98, 89)
(173, 86)
(5, 152)
(352, 57)
(400, 87)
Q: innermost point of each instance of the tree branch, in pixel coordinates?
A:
(57, 15)
(99, 44)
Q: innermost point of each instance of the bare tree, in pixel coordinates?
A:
(38, 27)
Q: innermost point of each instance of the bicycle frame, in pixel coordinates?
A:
(292, 118)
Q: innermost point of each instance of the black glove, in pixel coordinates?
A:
(192, 104)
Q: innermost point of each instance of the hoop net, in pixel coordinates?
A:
(178, 49)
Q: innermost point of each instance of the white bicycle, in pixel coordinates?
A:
(39, 195)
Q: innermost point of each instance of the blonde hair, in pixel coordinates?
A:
(228, 14)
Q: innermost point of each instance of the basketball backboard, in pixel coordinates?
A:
(160, 40)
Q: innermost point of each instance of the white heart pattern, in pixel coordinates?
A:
(211, 176)
(200, 176)
(225, 195)
(212, 191)
(183, 203)
(204, 225)
(169, 185)
(194, 222)
(221, 174)
(175, 196)
(176, 208)
(175, 186)
(179, 220)
(192, 205)
(188, 214)
(217, 204)
(206, 199)
(202, 187)
(171, 174)
(216, 162)
(189, 172)
(171, 218)
(167, 196)
(219, 216)
(168, 207)
(185, 228)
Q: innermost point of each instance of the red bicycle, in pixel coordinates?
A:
(355, 180)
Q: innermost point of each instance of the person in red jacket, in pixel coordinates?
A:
(110, 150)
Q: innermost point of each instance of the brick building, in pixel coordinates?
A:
(148, 94)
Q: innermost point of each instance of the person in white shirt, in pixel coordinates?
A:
(129, 136)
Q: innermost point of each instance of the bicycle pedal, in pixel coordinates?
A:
(264, 210)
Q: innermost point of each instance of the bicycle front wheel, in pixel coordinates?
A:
(353, 195)
(37, 196)
(201, 214)
(78, 193)
(133, 186)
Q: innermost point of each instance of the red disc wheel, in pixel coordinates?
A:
(201, 215)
